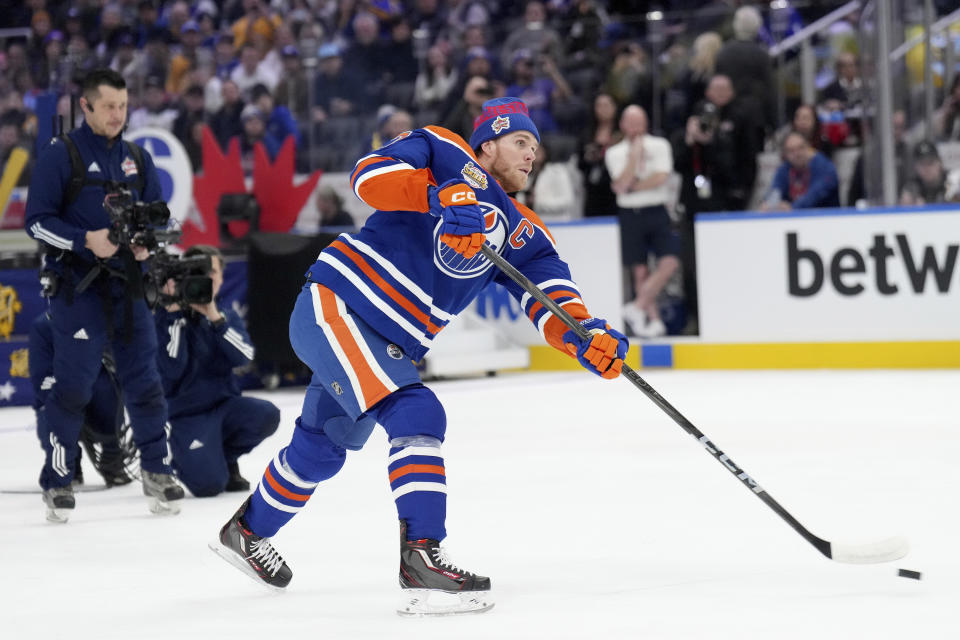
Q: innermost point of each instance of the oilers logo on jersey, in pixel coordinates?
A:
(454, 264)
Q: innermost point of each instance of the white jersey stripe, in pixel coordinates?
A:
(410, 487)
(397, 275)
(549, 314)
(290, 476)
(401, 166)
(364, 347)
(415, 451)
(276, 504)
(337, 349)
(374, 298)
(546, 284)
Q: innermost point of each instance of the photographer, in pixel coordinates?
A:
(211, 423)
(102, 418)
(716, 157)
(99, 298)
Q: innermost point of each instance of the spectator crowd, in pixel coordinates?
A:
(342, 77)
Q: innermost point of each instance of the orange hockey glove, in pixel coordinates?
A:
(603, 352)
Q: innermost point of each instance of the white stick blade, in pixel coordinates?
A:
(883, 551)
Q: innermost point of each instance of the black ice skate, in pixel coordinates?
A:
(236, 482)
(250, 553)
(60, 503)
(164, 492)
(432, 585)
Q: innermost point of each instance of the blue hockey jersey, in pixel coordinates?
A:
(400, 278)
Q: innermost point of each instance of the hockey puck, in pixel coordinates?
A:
(907, 573)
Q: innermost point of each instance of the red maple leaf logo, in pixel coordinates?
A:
(280, 200)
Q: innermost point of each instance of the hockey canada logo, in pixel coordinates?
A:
(474, 176)
(129, 167)
(500, 124)
(394, 351)
(455, 264)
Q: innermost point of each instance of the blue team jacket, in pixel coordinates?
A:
(196, 360)
(45, 218)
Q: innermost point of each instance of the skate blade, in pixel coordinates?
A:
(232, 558)
(163, 507)
(59, 516)
(433, 602)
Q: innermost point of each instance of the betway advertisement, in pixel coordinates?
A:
(830, 275)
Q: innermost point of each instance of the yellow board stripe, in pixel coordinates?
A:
(825, 355)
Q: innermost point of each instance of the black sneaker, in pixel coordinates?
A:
(164, 492)
(236, 482)
(250, 553)
(112, 468)
(60, 503)
(433, 585)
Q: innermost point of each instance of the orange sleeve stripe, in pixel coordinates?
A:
(446, 134)
(371, 387)
(363, 164)
(400, 190)
(559, 293)
(531, 215)
(286, 493)
(386, 287)
(554, 328)
(417, 468)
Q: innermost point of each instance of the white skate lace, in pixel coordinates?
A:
(444, 560)
(264, 553)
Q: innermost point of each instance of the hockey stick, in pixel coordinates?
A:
(882, 551)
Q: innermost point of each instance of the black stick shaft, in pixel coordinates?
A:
(501, 263)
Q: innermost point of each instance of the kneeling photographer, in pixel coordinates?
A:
(91, 186)
(212, 424)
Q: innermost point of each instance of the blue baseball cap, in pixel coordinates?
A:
(499, 117)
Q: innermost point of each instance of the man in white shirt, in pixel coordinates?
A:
(640, 166)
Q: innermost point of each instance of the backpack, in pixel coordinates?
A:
(78, 173)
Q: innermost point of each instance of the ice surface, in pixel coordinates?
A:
(593, 513)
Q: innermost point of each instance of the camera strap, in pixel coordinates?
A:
(78, 172)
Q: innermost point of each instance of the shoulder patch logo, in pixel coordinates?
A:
(337, 389)
(129, 166)
(394, 351)
(500, 124)
(474, 176)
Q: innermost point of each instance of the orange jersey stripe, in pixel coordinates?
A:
(276, 486)
(446, 134)
(554, 328)
(560, 293)
(400, 190)
(386, 287)
(417, 468)
(370, 386)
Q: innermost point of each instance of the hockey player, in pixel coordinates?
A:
(211, 424)
(65, 212)
(102, 417)
(373, 303)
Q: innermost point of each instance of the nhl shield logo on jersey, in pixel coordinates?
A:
(454, 264)
(129, 167)
(500, 124)
(337, 389)
(394, 351)
(474, 176)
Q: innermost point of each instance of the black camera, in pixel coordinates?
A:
(139, 223)
(709, 117)
(191, 277)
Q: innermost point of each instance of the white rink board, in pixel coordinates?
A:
(868, 291)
